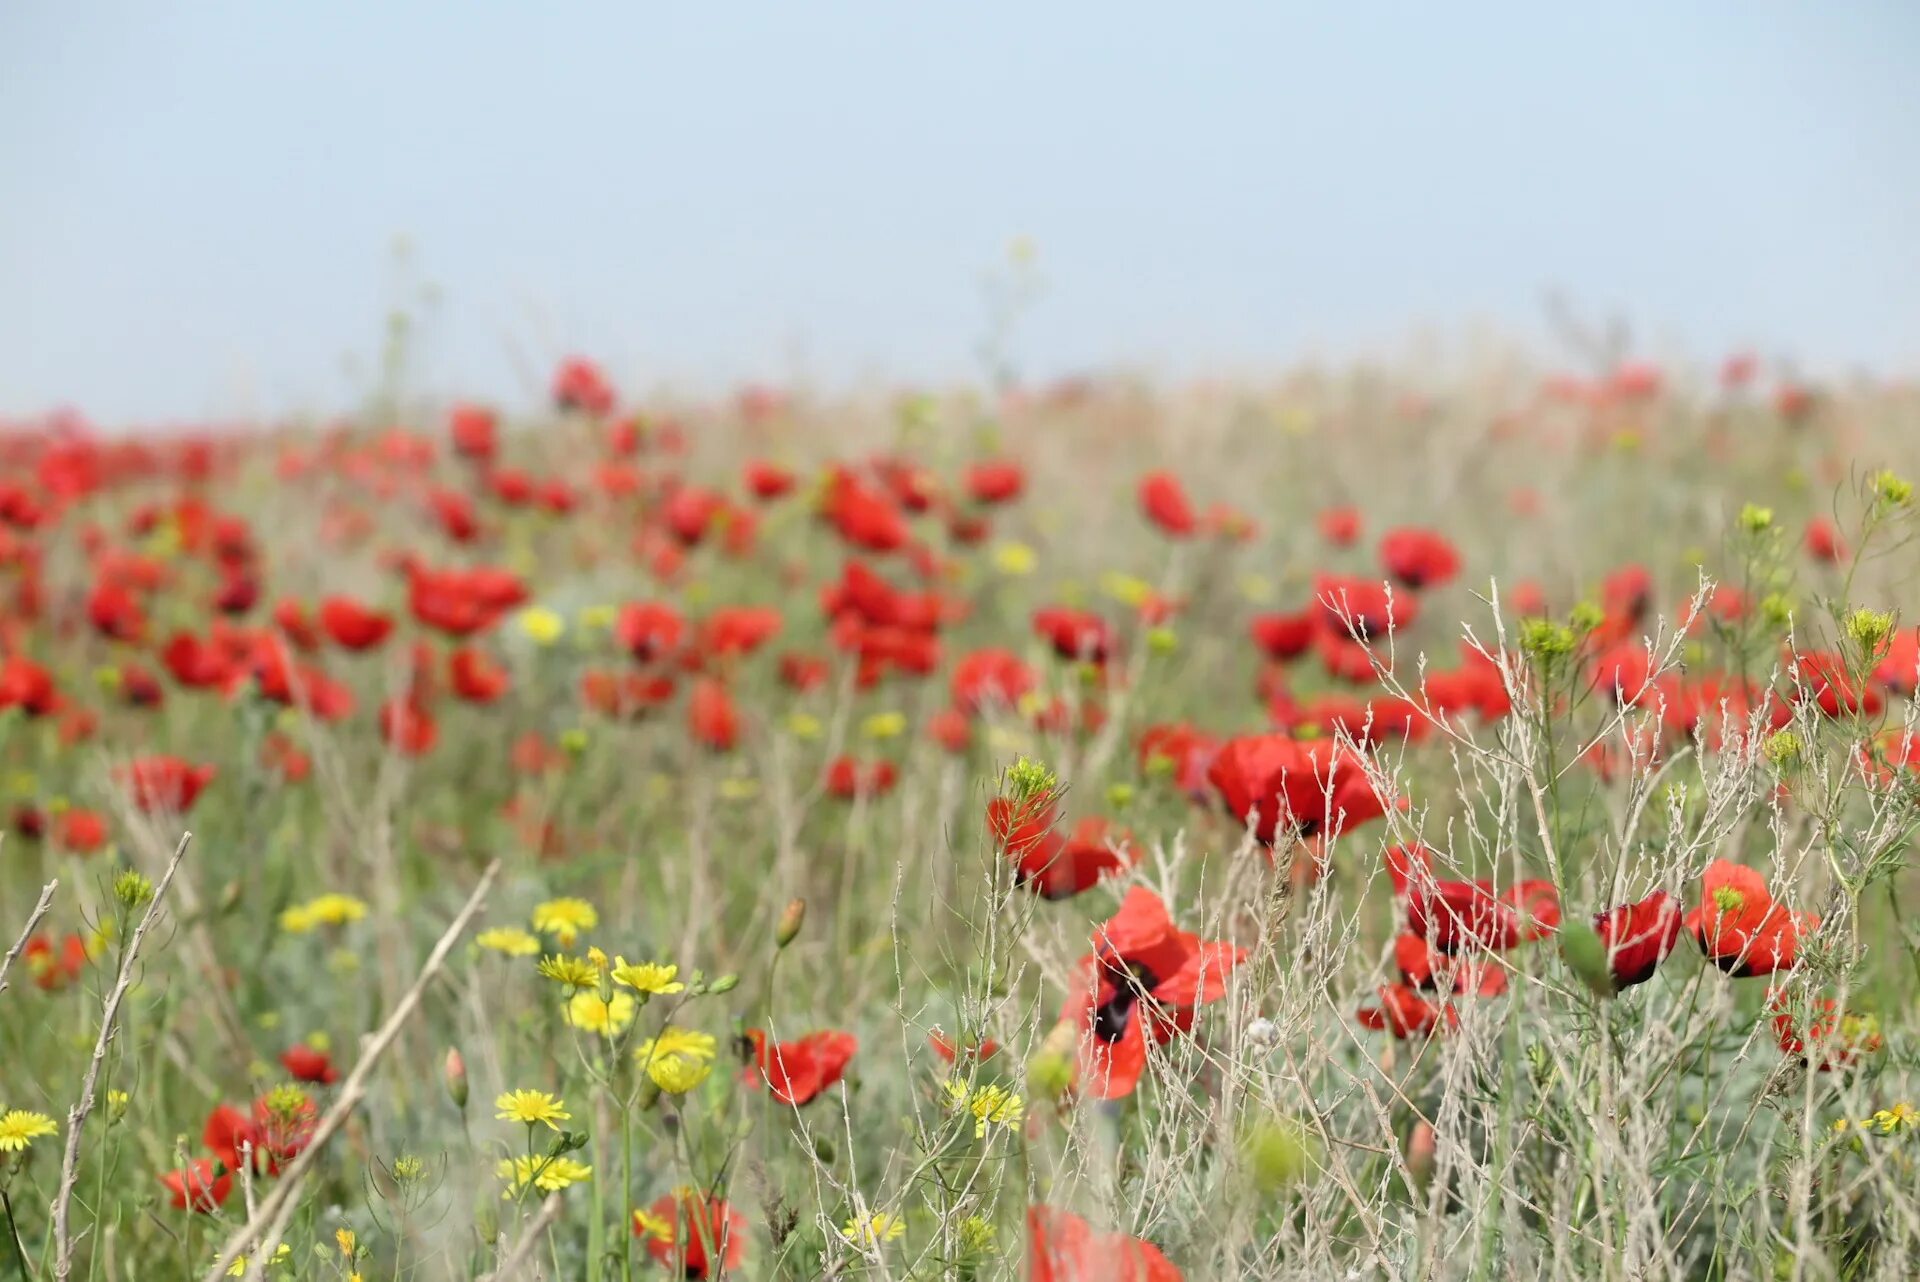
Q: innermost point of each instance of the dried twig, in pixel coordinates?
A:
(109, 1020)
(39, 911)
(529, 1241)
(286, 1190)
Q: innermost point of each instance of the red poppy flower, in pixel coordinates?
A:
(797, 1072)
(1059, 867)
(1285, 636)
(1181, 751)
(766, 481)
(738, 630)
(454, 513)
(1824, 677)
(864, 518)
(408, 727)
(1404, 1012)
(693, 1235)
(200, 1182)
(1470, 916)
(1419, 558)
(474, 429)
(803, 671)
(711, 718)
(1623, 673)
(995, 481)
(1340, 526)
(648, 630)
(1062, 1247)
(624, 695)
(1638, 937)
(950, 729)
(848, 778)
(1740, 927)
(310, 1066)
(1145, 979)
(81, 832)
(164, 784)
(1074, 634)
(27, 686)
(1164, 501)
(115, 612)
(1836, 1039)
(353, 626)
(1278, 784)
(1899, 670)
(474, 677)
(1823, 541)
(54, 966)
(990, 678)
(978, 1053)
(1362, 609)
(579, 385)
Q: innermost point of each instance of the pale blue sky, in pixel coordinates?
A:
(199, 196)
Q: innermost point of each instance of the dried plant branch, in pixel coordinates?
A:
(26, 933)
(109, 1021)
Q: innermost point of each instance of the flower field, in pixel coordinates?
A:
(1373, 823)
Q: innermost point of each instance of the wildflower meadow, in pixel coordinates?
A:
(1377, 822)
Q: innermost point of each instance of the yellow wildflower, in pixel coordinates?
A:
(989, 1104)
(574, 972)
(608, 1017)
(647, 977)
(532, 1108)
(541, 625)
(875, 1229)
(564, 919)
(1015, 559)
(510, 940)
(548, 1174)
(884, 725)
(19, 1128)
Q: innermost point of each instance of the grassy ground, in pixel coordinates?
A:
(676, 731)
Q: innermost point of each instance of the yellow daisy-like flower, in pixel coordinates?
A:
(1015, 559)
(327, 910)
(677, 1074)
(647, 977)
(674, 1040)
(990, 1105)
(875, 1229)
(532, 1108)
(884, 725)
(548, 1174)
(608, 1017)
(678, 1060)
(541, 625)
(20, 1128)
(804, 725)
(349, 1244)
(574, 972)
(564, 919)
(1901, 1117)
(647, 1224)
(238, 1269)
(598, 618)
(510, 940)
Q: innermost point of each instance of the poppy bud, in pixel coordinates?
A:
(455, 1073)
(790, 922)
(1586, 956)
(1421, 1143)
